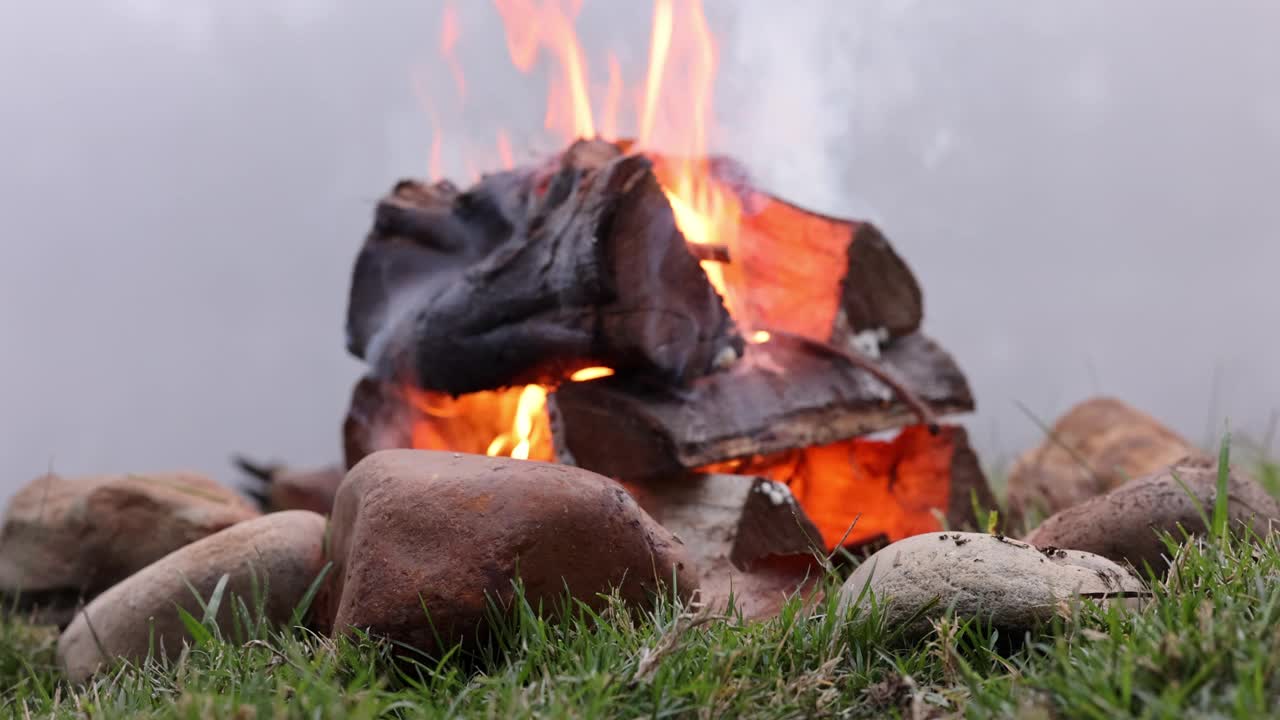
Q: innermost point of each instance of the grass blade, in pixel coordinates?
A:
(1219, 528)
(215, 601)
(199, 633)
(304, 606)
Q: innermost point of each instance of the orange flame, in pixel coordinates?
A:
(675, 109)
(504, 151)
(682, 66)
(448, 44)
(659, 44)
(531, 26)
(612, 99)
(858, 489)
(674, 113)
(591, 373)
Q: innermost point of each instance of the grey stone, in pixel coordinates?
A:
(1014, 585)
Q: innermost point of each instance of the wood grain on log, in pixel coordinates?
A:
(782, 395)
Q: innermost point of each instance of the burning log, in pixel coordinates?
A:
(863, 491)
(593, 259)
(823, 277)
(784, 394)
(532, 274)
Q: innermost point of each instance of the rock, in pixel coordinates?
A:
(284, 550)
(1094, 447)
(1016, 586)
(65, 539)
(417, 531)
(1122, 524)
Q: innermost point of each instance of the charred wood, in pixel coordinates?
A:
(782, 395)
(532, 274)
(747, 536)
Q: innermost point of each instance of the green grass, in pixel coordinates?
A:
(1206, 645)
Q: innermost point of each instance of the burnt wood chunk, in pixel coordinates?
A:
(746, 535)
(782, 395)
(793, 269)
(532, 274)
(745, 519)
(969, 487)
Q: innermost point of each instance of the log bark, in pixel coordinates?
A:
(532, 274)
(782, 395)
(824, 277)
(378, 418)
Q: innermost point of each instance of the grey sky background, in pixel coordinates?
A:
(1087, 191)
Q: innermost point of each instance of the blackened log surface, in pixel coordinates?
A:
(378, 418)
(879, 290)
(968, 484)
(773, 525)
(423, 238)
(781, 395)
(533, 274)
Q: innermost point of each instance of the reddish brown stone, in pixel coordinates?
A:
(1091, 449)
(416, 532)
(1122, 525)
(273, 559)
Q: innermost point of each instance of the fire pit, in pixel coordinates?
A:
(658, 319)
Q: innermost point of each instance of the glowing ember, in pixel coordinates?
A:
(591, 373)
(893, 488)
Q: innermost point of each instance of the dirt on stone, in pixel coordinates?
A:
(1010, 583)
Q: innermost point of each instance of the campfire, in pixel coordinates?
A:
(653, 316)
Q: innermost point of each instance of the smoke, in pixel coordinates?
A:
(1084, 190)
(797, 77)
